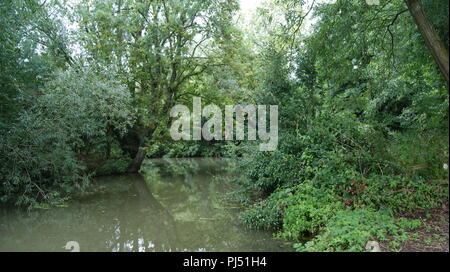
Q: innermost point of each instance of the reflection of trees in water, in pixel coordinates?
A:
(184, 167)
(196, 202)
(193, 175)
(151, 227)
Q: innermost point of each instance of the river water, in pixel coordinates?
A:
(174, 205)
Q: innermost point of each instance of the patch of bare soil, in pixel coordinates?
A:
(433, 236)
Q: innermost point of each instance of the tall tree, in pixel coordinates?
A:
(157, 46)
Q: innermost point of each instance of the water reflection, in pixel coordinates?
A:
(175, 205)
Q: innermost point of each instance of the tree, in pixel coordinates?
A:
(434, 43)
(156, 46)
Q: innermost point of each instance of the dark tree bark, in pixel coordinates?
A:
(437, 47)
(137, 161)
(148, 133)
(139, 156)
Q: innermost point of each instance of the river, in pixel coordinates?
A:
(174, 205)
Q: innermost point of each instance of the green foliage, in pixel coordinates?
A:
(87, 105)
(158, 49)
(267, 214)
(409, 225)
(363, 126)
(42, 155)
(350, 230)
(396, 194)
(23, 69)
(424, 158)
(363, 108)
(37, 164)
(267, 172)
(113, 167)
(307, 211)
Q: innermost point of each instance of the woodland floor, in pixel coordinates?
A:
(433, 236)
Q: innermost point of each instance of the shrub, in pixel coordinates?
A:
(113, 166)
(350, 230)
(42, 153)
(308, 210)
(266, 214)
(396, 194)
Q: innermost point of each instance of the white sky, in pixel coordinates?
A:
(248, 8)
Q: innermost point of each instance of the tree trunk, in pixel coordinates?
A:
(437, 47)
(137, 161)
(140, 154)
(148, 132)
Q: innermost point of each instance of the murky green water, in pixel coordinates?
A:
(176, 205)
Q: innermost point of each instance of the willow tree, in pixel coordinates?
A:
(157, 46)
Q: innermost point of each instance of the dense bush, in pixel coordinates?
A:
(349, 230)
(308, 210)
(42, 154)
(267, 214)
(37, 163)
(330, 170)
